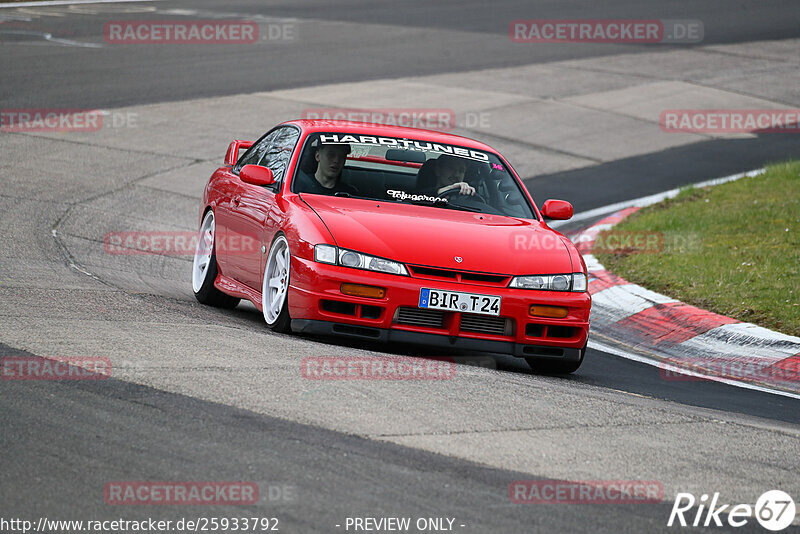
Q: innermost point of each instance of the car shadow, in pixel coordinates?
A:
(247, 312)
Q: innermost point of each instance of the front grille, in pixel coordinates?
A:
(534, 330)
(494, 279)
(371, 312)
(550, 331)
(335, 306)
(485, 325)
(432, 273)
(560, 331)
(420, 317)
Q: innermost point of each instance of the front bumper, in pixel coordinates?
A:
(305, 326)
(318, 306)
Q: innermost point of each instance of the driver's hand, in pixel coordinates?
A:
(463, 188)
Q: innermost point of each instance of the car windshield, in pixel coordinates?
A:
(441, 176)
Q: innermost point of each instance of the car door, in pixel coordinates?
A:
(230, 190)
(254, 214)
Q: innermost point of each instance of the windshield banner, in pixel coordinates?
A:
(392, 142)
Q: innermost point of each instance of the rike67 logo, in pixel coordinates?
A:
(774, 510)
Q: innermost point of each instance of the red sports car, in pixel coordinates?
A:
(392, 234)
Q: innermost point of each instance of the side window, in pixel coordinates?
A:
(256, 152)
(279, 152)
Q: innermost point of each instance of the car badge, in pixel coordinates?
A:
(459, 259)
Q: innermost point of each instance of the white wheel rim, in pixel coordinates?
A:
(276, 280)
(203, 252)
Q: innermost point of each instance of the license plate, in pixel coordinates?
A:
(437, 299)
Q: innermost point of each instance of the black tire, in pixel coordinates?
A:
(556, 367)
(207, 293)
(284, 323)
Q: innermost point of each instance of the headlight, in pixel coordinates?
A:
(356, 260)
(579, 282)
(551, 282)
(325, 254)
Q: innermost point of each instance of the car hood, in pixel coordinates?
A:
(423, 235)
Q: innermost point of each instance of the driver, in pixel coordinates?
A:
(326, 180)
(448, 175)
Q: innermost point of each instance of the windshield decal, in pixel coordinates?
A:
(402, 195)
(405, 144)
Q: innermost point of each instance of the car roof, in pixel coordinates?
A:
(327, 125)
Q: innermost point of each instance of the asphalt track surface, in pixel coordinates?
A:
(63, 441)
(418, 38)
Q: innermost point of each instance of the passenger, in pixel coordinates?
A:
(446, 173)
(326, 180)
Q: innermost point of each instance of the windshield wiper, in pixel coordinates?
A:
(439, 204)
(452, 206)
(345, 194)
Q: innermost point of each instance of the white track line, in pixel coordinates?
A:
(657, 363)
(649, 200)
(68, 2)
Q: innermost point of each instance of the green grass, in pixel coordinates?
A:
(733, 249)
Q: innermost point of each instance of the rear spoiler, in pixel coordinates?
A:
(233, 150)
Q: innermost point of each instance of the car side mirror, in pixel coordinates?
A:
(559, 210)
(258, 175)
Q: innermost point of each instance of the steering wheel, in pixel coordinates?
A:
(477, 196)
